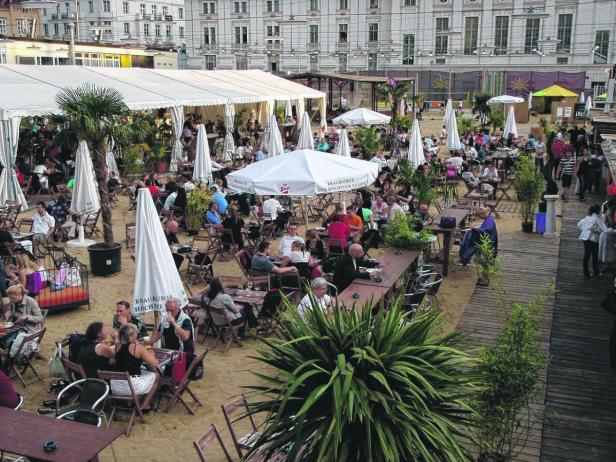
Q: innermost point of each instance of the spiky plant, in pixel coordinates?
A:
(96, 114)
(348, 386)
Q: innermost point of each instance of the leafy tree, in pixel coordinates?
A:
(97, 114)
(465, 125)
(394, 92)
(496, 119)
(349, 386)
(367, 140)
(529, 185)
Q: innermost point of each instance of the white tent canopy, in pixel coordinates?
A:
(505, 99)
(362, 116)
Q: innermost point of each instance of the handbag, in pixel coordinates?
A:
(611, 189)
(56, 368)
(178, 369)
(448, 222)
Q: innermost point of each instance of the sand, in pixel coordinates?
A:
(166, 437)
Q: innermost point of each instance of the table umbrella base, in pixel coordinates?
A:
(80, 243)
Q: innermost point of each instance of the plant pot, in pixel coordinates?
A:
(527, 227)
(105, 260)
(162, 166)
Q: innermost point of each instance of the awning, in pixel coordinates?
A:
(555, 91)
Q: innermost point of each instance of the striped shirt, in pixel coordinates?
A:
(567, 165)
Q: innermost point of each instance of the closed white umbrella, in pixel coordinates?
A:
(448, 110)
(85, 200)
(110, 159)
(202, 171)
(288, 109)
(416, 154)
(343, 149)
(305, 134)
(273, 138)
(177, 117)
(360, 116)
(510, 126)
(530, 100)
(228, 150)
(9, 185)
(588, 104)
(505, 99)
(581, 98)
(453, 138)
(156, 277)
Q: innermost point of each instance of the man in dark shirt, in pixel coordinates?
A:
(60, 211)
(176, 330)
(124, 316)
(347, 268)
(5, 238)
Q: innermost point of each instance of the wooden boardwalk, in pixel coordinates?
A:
(529, 263)
(581, 387)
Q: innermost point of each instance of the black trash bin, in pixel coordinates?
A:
(105, 260)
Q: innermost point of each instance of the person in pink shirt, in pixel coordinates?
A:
(380, 210)
(338, 232)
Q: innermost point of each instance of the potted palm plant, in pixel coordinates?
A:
(197, 204)
(482, 108)
(529, 185)
(367, 141)
(348, 386)
(97, 114)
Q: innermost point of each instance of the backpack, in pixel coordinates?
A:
(75, 342)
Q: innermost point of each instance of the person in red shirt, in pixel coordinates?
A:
(8, 395)
(338, 232)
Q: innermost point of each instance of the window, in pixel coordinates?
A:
(126, 28)
(531, 39)
(373, 32)
(181, 32)
(142, 8)
(45, 29)
(157, 30)
(344, 4)
(146, 29)
(272, 6)
(154, 11)
(67, 7)
(125, 8)
(313, 5)
(314, 33)
(314, 63)
(2, 26)
(342, 62)
(471, 31)
(168, 31)
(441, 39)
(210, 62)
(180, 13)
(501, 35)
(343, 33)
(372, 61)
(273, 31)
(90, 7)
(374, 4)
(565, 27)
(44, 11)
(209, 35)
(165, 10)
(106, 6)
(409, 3)
(240, 7)
(21, 26)
(602, 44)
(209, 7)
(56, 30)
(64, 28)
(241, 62)
(241, 35)
(408, 49)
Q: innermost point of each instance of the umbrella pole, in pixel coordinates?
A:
(305, 207)
(156, 324)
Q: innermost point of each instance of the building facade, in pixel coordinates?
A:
(294, 36)
(16, 21)
(131, 22)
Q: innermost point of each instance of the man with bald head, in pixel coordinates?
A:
(347, 268)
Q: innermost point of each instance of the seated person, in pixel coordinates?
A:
(171, 229)
(43, 225)
(237, 314)
(274, 209)
(220, 200)
(301, 259)
(261, 261)
(5, 238)
(23, 310)
(176, 330)
(29, 273)
(285, 243)
(233, 222)
(471, 181)
(347, 268)
(8, 396)
(60, 212)
(394, 208)
(423, 215)
(124, 316)
(129, 357)
(353, 221)
(113, 181)
(338, 232)
(173, 193)
(314, 245)
(380, 210)
(319, 295)
(212, 216)
(94, 355)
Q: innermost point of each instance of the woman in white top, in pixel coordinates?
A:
(301, 259)
(591, 228)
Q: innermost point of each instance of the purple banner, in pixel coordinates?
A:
(520, 83)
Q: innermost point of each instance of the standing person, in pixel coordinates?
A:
(609, 305)
(597, 160)
(565, 172)
(583, 170)
(591, 228)
(540, 153)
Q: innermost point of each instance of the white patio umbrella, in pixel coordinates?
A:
(453, 138)
(305, 140)
(202, 171)
(273, 138)
(588, 104)
(288, 108)
(343, 149)
(303, 173)
(530, 100)
(177, 117)
(510, 126)
(228, 150)
(9, 185)
(505, 99)
(361, 116)
(416, 153)
(85, 200)
(448, 110)
(582, 98)
(156, 277)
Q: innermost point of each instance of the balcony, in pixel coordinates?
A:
(143, 17)
(241, 46)
(54, 16)
(168, 18)
(64, 15)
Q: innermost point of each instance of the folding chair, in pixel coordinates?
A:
(74, 371)
(24, 355)
(201, 272)
(24, 225)
(130, 231)
(113, 195)
(206, 439)
(216, 316)
(247, 441)
(255, 278)
(335, 247)
(90, 226)
(183, 387)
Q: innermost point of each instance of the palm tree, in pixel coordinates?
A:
(349, 386)
(481, 107)
(97, 114)
(394, 92)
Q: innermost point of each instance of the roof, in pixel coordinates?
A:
(555, 91)
(353, 77)
(31, 90)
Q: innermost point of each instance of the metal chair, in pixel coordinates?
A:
(89, 403)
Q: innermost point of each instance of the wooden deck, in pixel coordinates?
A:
(581, 387)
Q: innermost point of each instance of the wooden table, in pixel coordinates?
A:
(21, 236)
(460, 215)
(394, 265)
(366, 293)
(250, 297)
(165, 356)
(24, 433)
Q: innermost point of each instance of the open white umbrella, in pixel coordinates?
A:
(177, 117)
(303, 173)
(582, 98)
(343, 149)
(448, 110)
(505, 99)
(156, 277)
(9, 185)
(85, 200)
(510, 126)
(288, 108)
(305, 140)
(202, 171)
(228, 150)
(416, 153)
(453, 137)
(273, 138)
(588, 104)
(361, 116)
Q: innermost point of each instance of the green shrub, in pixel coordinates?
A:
(401, 234)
